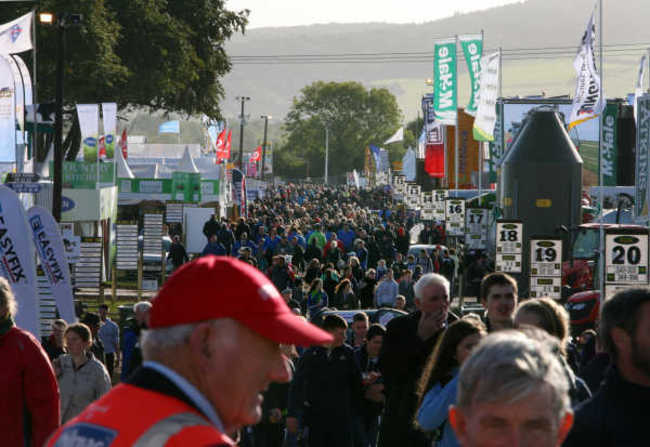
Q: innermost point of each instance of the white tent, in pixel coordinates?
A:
(187, 163)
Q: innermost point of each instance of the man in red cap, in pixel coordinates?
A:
(209, 354)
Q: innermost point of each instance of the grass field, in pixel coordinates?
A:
(589, 153)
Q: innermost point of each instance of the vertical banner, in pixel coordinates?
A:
(642, 150)
(609, 148)
(268, 159)
(17, 260)
(468, 155)
(434, 160)
(109, 112)
(239, 191)
(7, 113)
(445, 81)
(588, 100)
(472, 46)
(89, 125)
(50, 249)
(486, 115)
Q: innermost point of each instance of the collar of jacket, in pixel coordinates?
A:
(6, 324)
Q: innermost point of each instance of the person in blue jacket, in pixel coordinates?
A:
(439, 379)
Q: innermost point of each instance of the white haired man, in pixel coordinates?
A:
(131, 349)
(512, 391)
(209, 354)
(408, 343)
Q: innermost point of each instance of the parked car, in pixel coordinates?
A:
(382, 315)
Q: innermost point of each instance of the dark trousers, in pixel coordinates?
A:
(325, 435)
(110, 363)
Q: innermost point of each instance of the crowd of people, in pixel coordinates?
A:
(225, 353)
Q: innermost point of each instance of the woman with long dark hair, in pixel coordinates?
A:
(316, 297)
(438, 383)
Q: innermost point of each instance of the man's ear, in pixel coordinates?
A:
(565, 427)
(621, 339)
(458, 423)
(199, 342)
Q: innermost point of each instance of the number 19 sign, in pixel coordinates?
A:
(510, 237)
(626, 258)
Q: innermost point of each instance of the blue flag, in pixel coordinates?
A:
(170, 127)
(376, 155)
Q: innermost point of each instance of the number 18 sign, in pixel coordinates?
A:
(626, 258)
(509, 241)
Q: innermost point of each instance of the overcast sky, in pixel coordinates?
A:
(306, 12)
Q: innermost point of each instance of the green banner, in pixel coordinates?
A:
(445, 102)
(642, 151)
(473, 50)
(145, 185)
(83, 175)
(186, 186)
(609, 148)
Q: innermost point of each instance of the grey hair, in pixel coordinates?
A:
(7, 298)
(141, 306)
(507, 367)
(428, 280)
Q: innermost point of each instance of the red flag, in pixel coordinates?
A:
(226, 150)
(434, 160)
(221, 140)
(257, 155)
(101, 145)
(123, 144)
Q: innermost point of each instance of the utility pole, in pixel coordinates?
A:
(242, 121)
(57, 177)
(266, 119)
(327, 155)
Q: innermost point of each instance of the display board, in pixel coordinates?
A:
(626, 257)
(545, 267)
(88, 271)
(439, 197)
(152, 235)
(127, 246)
(455, 217)
(174, 212)
(46, 302)
(476, 224)
(427, 206)
(509, 246)
(413, 193)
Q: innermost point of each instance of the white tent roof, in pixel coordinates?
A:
(187, 163)
(123, 170)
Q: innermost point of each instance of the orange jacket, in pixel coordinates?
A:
(131, 416)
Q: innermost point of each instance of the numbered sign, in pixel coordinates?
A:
(477, 228)
(455, 217)
(541, 286)
(546, 257)
(509, 243)
(626, 258)
(439, 199)
(413, 196)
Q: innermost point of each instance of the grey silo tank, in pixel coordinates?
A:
(542, 180)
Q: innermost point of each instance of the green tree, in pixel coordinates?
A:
(164, 55)
(355, 117)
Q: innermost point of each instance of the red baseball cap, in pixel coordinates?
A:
(214, 287)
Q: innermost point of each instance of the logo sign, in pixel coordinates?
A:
(455, 217)
(84, 434)
(541, 287)
(626, 258)
(509, 243)
(44, 244)
(67, 204)
(477, 228)
(90, 141)
(546, 257)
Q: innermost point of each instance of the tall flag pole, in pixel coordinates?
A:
(456, 133)
(600, 156)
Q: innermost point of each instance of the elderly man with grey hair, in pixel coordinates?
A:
(512, 391)
(131, 351)
(408, 343)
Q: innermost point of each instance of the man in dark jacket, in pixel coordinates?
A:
(177, 252)
(211, 227)
(617, 414)
(326, 390)
(214, 247)
(408, 343)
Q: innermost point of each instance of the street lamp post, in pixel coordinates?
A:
(327, 153)
(266, 119)
(62, 21)
(242, 117)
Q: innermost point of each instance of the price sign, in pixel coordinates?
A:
(546, 257)
(509, 263)
(626, 258)
(541, 286)
(509, 243)
(455, 217)
(477, 228)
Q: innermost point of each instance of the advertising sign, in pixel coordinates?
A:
(445, 101)
(626, 258)
(642, 150)
(545, 267)
(477, 228)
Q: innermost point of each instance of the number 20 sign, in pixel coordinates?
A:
(626, 258)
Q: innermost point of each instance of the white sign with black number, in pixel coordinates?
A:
(546, 257)
(439, 197)
(413, 197)
(545, 286)
(455, 217)
(476, 225)
(626, 258)
(509, 243)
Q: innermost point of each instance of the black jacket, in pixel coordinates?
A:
(402, 358)
(326, 388)
(617, 416)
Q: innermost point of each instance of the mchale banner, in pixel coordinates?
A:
(17, 260)
(445, 81)
(51, 251)
(472, 46)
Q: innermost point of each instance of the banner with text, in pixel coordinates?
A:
(609, 148)
(109, 113)
(486, 115)
(642, 151)
(472, 46)
(7, 112)
(89, 125)
(445, 89)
